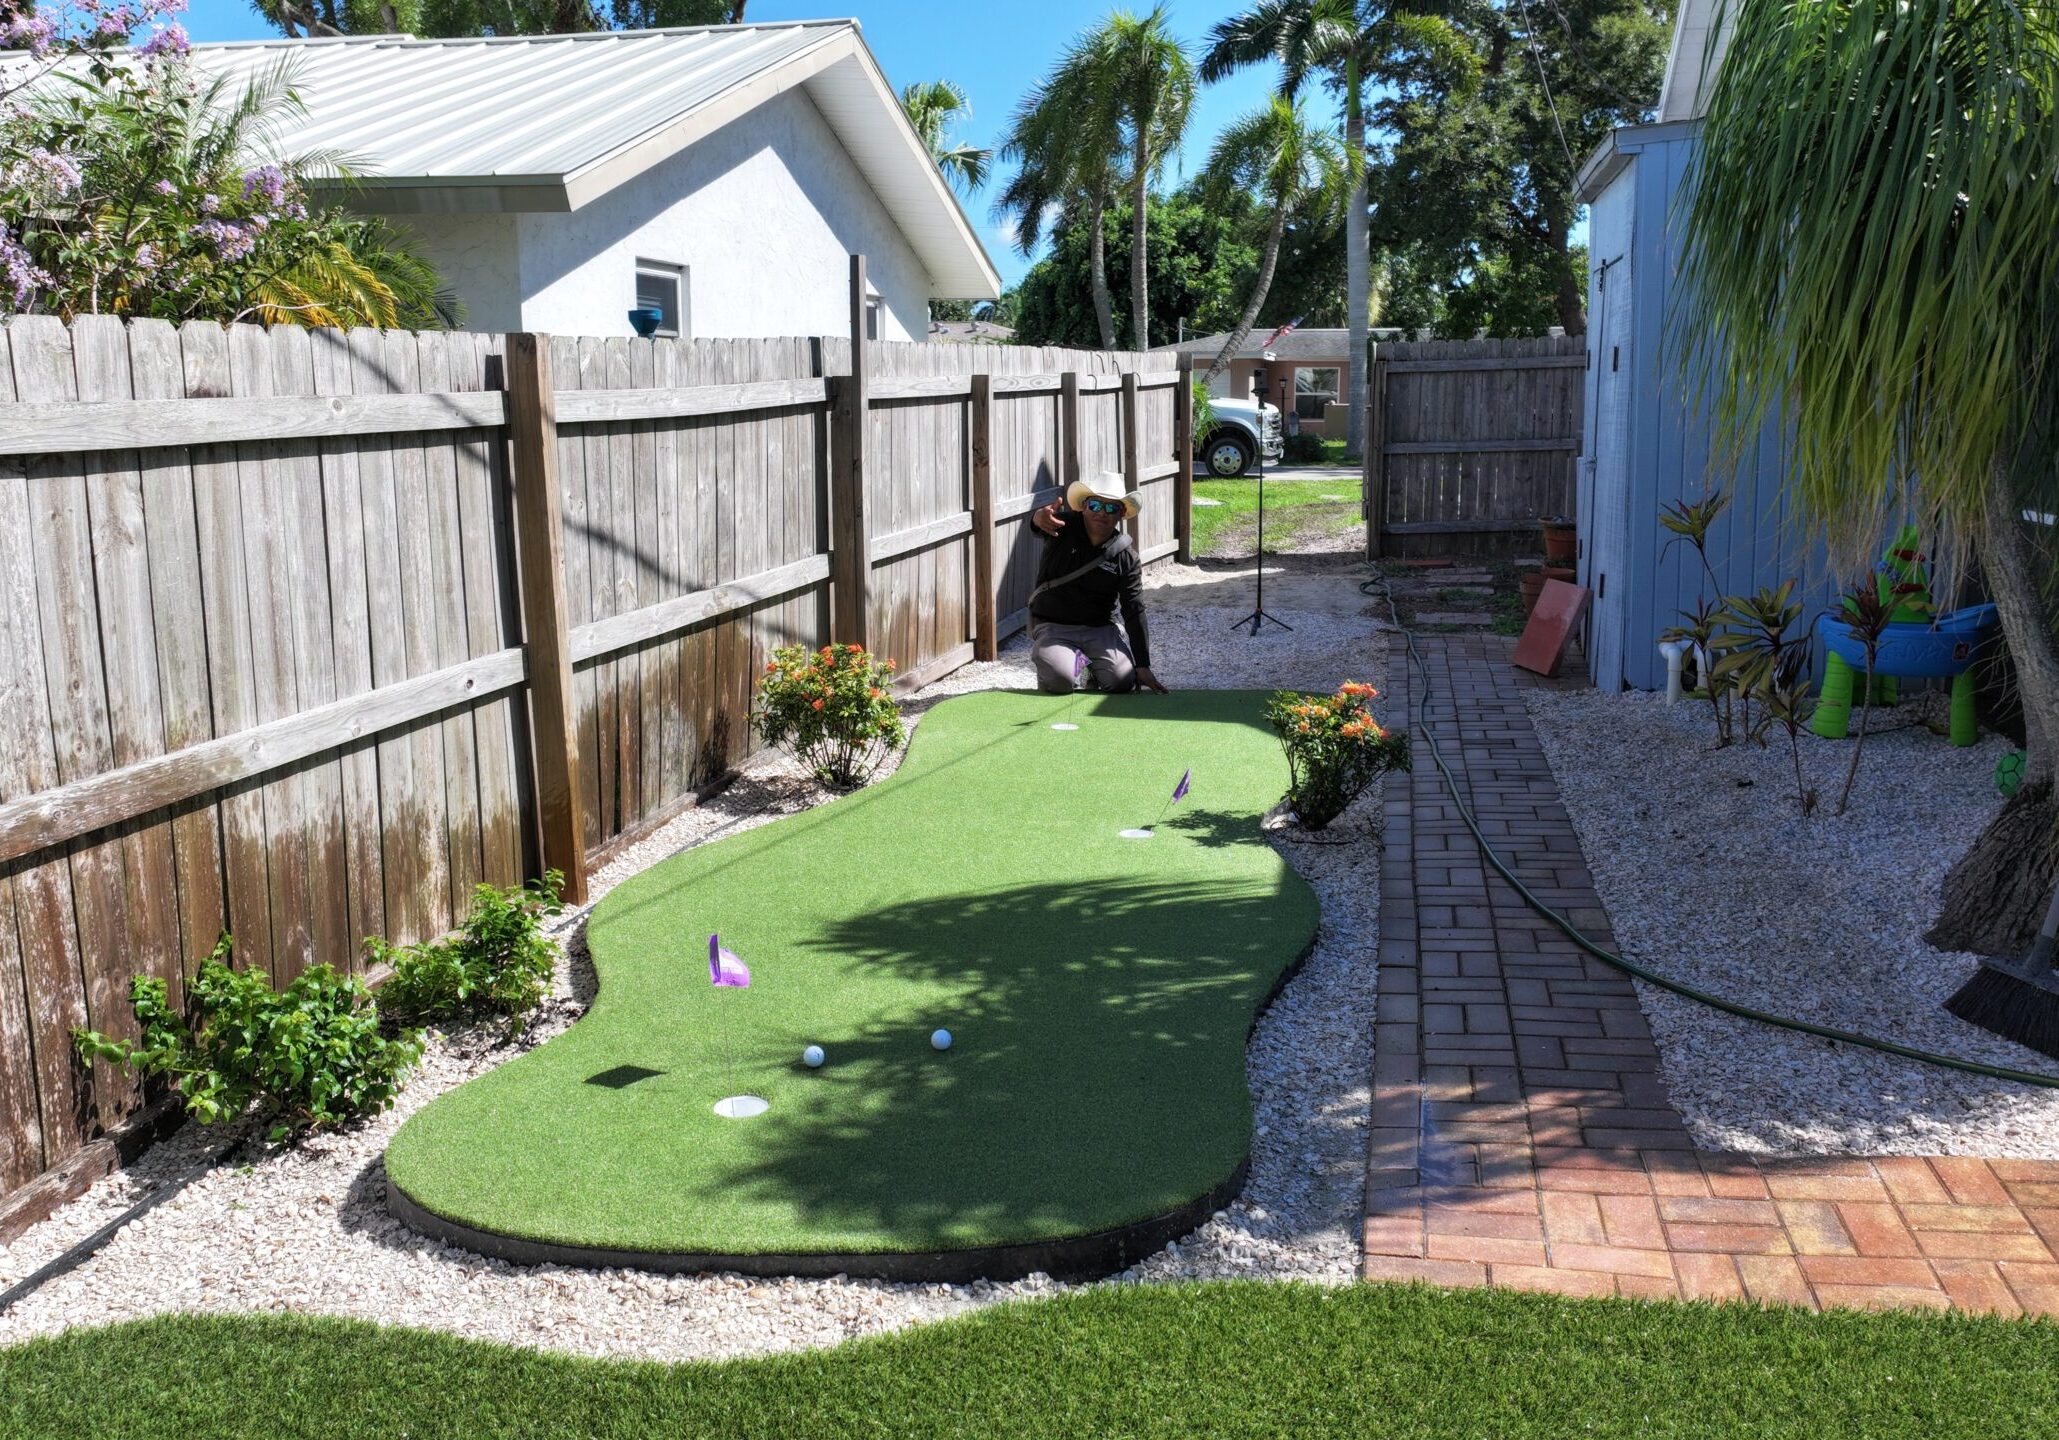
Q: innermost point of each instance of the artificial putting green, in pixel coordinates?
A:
(1101, 991)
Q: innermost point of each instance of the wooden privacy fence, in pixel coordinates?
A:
(1470, 442)
(303, 634)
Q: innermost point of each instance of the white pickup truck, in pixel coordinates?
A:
(1233, 446)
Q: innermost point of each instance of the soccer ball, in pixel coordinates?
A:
(2009, 772)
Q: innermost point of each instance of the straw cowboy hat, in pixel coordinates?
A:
(1106, 485)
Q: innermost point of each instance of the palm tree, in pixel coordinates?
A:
(1294, 169)
(1340, 38)
(1872, 227)
(1066, 142)
(1152, 89)
(932, 106)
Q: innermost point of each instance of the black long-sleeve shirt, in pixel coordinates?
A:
(1116, 583)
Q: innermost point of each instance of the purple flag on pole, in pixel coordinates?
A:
(1179, 791)
(724, 968)
(1079, 665)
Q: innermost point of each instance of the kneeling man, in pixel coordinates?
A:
(1089, 571)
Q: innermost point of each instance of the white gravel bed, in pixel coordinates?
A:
(1712, 877)
(305, 1228)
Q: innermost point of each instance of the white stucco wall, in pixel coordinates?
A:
(765, 213)
(477, 257)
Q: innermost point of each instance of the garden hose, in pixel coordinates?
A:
(1629, 967)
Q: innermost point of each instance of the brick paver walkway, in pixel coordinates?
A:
(1522, 1135)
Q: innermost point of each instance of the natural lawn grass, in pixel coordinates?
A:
(1100, 990)
(1235, 1360)
(1291, 506)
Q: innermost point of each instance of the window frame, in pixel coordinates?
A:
(677, 275)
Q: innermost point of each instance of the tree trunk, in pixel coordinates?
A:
(1572, 301)
(1996, 895)
(1263, 283)
(1097, 273)
(1357, 265)
(1140, 223)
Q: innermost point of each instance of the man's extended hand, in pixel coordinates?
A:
(1147, 681)
(1048, 520)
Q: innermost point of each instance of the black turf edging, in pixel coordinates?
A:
(1072, 1257)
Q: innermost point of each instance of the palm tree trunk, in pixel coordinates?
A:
(1097, 272)
(1263, 283)
(1995, 895)
(1140, 294)
(1357, 279)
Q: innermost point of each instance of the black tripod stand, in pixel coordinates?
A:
(1258, 619)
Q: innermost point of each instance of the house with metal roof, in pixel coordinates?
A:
(1306, 371)
(718, 175)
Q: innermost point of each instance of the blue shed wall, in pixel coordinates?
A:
(1760, 540)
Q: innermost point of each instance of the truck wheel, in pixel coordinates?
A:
(1227, 455)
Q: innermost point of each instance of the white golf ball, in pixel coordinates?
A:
(940, 1039)
(813, 1057)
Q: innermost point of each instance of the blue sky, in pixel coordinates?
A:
(996, 51)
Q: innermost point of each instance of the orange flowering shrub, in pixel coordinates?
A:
(1335, 748)
(831, 709)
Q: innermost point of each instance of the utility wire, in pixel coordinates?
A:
(1530, 34)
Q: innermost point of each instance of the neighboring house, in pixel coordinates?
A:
(721, 174)
(1649, 437)
(969, 332)
(1306, 376)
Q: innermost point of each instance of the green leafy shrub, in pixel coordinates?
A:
(498, 963)
(1335, 749)
(1303, 450)
(309, 1056)
(831, 709)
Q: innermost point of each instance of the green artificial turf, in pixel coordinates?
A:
(1223, 1361)
(1100, 989)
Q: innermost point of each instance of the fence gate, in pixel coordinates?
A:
(1470, 442)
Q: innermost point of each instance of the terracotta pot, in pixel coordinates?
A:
(1561, 542)
(1533, 584)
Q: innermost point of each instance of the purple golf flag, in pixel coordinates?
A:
(1079, 665)
(1179, 791)
(724, 968)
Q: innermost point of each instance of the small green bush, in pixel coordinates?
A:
(498, 963)
(1304, 450)
(1335, 749)
(832, 709)
(311, 1055)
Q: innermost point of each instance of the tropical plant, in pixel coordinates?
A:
(933, 106)
(1692, 521)
(1756, 653)
(832, 709)
(498, 963)
(1871, 238)
(1119, 96)
(1788, 706)
(1273, 153)
(1868, 609)
(1335, 749)
(140, 188)
(309, 1056)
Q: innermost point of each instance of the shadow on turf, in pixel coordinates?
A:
(1136, 1104)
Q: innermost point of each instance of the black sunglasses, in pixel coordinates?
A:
(1105, 507)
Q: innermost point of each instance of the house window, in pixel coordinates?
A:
(662, 287)
(872, 317)
(1315, 386)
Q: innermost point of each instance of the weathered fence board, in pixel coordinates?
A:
(1470, 442)
(263, 614)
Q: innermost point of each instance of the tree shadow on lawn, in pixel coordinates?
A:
(1097, 1076)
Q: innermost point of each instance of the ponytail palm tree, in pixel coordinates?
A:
(933, 106)
(1296, 171)
(1872, 229)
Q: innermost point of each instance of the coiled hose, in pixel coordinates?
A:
(1630, 967)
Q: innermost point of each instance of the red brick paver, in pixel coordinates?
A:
(1521, 1134)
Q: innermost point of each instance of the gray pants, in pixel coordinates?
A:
(1058, 650)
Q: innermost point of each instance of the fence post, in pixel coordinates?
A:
(1183, 452)
(540, 539)
(1132, 462)
(1375, 462)
(986, 641)
(850, 561)
(1069, 426)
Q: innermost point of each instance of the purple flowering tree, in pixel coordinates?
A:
(131, 184)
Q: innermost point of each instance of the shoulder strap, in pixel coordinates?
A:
(1113, 548)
